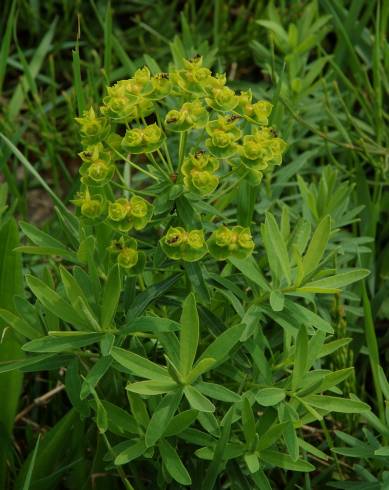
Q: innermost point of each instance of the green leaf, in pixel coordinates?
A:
(217, 392)
(27, 481)
(200, 368)
(222, 345)
(55, 450)
(249, 426)
(181, 422)
(268, 397)
(336, 404)
(271, 436)
(19, 325)
(151, 387)
(284, 461)
(249, 268)
(23, 363)
(209, 480)
(131, 452)
(173, 463)
(198, 401)
(94, 376)
(278, 245)
(252, 462)
(317, 245)
(300, 358)
(61, 344)
(55, 304)
(151, 324)
(189, 334)
(277, 300)
(333, 283)
(162, 416)
(333, 379)
(111, 296)
(139, 366)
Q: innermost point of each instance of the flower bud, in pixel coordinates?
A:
(196, 239)
(91, 208)
(99, 171)
(127, 258)
(138, 207)
(117, 211)
(93, 129)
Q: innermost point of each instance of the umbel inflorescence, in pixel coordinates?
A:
(188, 134)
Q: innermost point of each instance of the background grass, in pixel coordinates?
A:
(323, 64)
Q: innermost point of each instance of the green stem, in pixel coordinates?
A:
(181, 149)
(119, 469)
(133, 164)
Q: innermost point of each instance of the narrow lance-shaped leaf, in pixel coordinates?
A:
(300, 358)
(189, 335)
(161, 417)
(333, 284)
(317, 245)
(138, 365)
(278, 245)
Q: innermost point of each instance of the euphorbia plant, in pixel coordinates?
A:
(194, 342)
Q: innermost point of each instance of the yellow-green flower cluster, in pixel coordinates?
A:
(199, 173)
(222, 134)
(98, 166)
(190, 115)
(143, 140)
(126, 214)
(231, 242)
(261, 150)
(125, 251)
(185, 245)
(179, 244)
